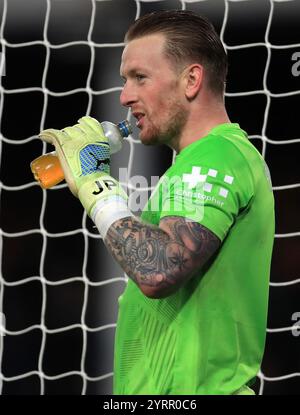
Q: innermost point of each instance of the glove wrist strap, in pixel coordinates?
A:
(106, 212)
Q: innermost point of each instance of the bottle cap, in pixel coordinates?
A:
(125, 128)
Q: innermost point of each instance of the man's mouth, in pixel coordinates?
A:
(139, 117)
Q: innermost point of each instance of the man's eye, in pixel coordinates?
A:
(139, 77)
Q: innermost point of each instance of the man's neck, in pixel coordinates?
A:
(200, 123)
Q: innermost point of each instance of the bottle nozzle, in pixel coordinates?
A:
(125, 128)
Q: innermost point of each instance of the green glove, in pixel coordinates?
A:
(83, 151)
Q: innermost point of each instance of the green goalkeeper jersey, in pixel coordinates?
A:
(209, 336)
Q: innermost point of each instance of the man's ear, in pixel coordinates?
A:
(193, 80)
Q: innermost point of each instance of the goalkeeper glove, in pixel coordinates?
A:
(83, 152)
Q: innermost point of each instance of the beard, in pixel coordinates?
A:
(168, 130)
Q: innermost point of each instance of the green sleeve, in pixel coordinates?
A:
(211, 190)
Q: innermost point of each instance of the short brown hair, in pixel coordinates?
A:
(190, 38)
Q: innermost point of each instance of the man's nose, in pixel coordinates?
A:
(127, 97)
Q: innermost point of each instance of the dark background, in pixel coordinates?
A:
(59, 287)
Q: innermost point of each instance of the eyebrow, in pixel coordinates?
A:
(132, 72)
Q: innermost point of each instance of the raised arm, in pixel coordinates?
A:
(160, 259)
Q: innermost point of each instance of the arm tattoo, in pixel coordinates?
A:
(160, 258)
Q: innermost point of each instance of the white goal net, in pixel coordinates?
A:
(58, 286)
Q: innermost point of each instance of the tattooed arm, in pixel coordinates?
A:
(160, 259)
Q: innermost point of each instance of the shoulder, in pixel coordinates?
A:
(219, 158)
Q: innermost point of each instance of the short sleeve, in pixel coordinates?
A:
(211, 192)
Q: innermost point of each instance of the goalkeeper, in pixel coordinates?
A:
(192, 319)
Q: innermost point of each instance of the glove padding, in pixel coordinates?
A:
(82, 149)
(84, 154)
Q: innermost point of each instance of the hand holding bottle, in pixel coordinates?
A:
(47, 169)
(84, 153)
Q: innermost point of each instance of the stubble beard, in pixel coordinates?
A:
(170, 132)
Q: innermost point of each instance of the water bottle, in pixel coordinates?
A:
(47, 169)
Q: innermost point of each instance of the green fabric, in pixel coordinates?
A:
(208, 337)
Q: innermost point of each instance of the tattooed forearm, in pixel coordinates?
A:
(160, 259)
